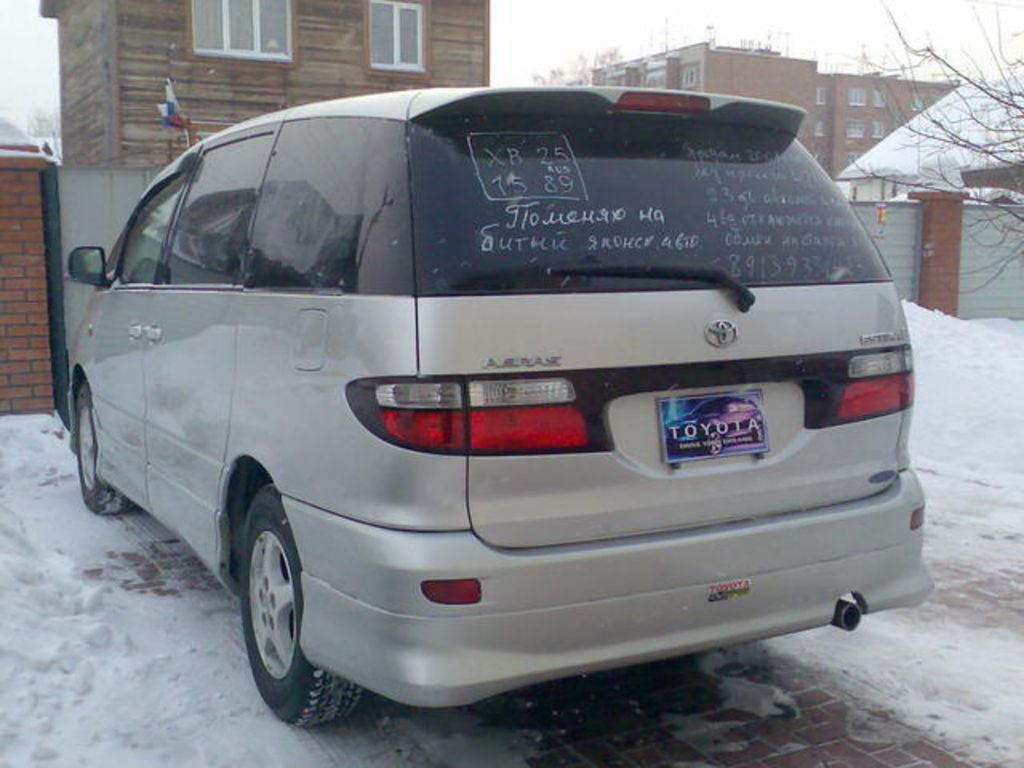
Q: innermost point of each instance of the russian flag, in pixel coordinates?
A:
(170, 112)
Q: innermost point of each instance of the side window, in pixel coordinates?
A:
(212, 231)
(334, 210)
(140, 258)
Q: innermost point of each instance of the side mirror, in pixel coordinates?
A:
(88, 265)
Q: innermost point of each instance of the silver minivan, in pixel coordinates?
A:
(462, 390)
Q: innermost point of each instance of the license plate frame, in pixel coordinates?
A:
(715, 425)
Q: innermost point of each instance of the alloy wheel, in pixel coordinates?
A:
(272, 604)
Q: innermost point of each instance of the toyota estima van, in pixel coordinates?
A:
(462, 390)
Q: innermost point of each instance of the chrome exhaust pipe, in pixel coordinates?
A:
(847, 615)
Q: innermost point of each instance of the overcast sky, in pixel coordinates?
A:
(533, 36)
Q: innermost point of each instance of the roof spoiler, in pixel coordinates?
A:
(453, 102)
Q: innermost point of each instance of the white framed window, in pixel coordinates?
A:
(918, 103)
(879, 99)
(855, 129)
(821, 95)
(877, 129)
(858, 97)
(819, 128)
(655, 79)
(691, 76)
(396, 36)
(247, 29)
(655, 74)
(852, 157)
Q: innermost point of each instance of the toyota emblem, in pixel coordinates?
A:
(721, 333)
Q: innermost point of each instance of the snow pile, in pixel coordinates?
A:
(31, 449)
(51, 637)
(969, 414)
(52, 634)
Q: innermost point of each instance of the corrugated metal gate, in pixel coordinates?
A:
(896, 230)
(84, 206)
(992, 262)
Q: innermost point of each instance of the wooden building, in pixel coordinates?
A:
(233, 59)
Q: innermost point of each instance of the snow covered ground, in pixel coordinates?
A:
(955, 666)
(98, 677)
(93, 675)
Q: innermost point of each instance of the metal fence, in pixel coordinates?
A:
(896, 230)
(992, 262)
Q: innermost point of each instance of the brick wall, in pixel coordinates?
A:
(26, 384)
(942, 217)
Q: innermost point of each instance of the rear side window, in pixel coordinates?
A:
(498, 201)
(334, 210)
(212, 230)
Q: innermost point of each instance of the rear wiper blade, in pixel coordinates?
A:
(743, 296)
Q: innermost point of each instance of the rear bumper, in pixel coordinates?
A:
(553, 612)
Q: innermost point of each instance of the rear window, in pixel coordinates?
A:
(497, 202)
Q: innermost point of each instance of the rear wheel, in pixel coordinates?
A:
(99, 497)
(272, 604)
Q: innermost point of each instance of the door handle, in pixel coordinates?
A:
(135, 331)
(154, 332)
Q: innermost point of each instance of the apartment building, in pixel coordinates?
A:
(847, 114)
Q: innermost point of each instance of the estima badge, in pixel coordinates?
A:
(721, 333)
(537, 361)
(888, 337)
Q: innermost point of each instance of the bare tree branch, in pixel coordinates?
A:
(579, 71)
(978, 130)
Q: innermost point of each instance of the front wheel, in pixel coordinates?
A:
(99, 497)
(294, 689)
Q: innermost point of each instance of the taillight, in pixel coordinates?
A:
(863, 386)
(883, 383)
(495, 417)
(537, 428)
(875, 397)
(671, 103)
(420, 394)
(423, 414)
(882, 364)
(433, 430)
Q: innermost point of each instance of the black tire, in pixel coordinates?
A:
(99, 497)
(295, 690)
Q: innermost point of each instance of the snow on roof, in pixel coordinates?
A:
(12, 137)
(969, 129)
(14, 142)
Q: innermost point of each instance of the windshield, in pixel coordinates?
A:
(501, 203)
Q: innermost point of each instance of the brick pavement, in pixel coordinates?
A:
(661, 715)
(160, 563)
(673, 714)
